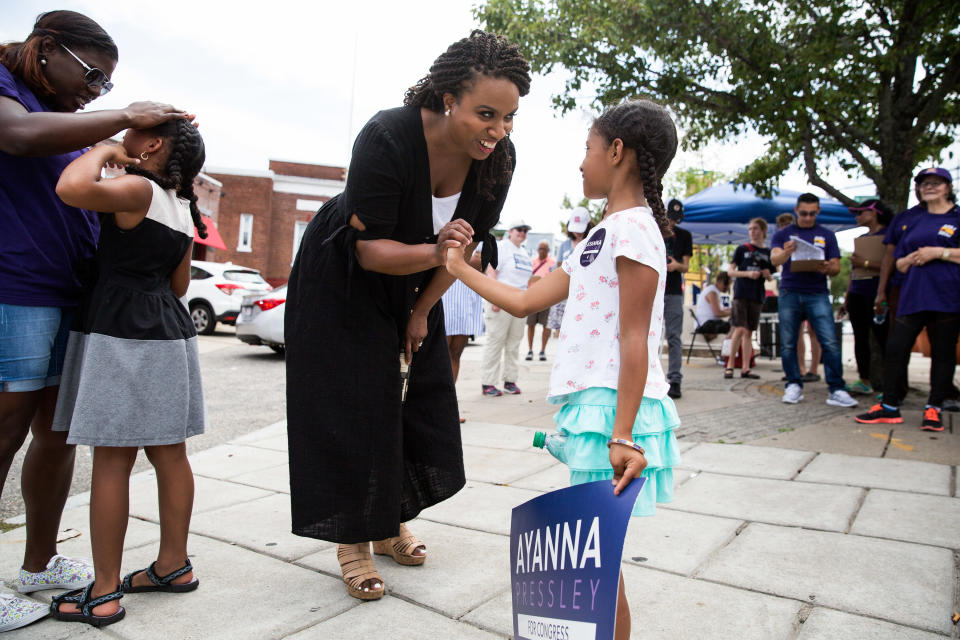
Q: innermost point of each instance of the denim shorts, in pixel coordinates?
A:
(33, 343)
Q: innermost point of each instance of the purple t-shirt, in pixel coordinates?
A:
(901, 222)
(867, 287)
(806, 281)
(934, 286)
(42, 240)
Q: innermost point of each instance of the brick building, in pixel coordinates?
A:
(262, 215)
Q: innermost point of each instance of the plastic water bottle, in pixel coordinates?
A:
(555, 443)
(880, 318)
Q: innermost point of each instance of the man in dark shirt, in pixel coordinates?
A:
(679, 252)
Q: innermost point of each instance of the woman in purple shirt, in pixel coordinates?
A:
(64, 63)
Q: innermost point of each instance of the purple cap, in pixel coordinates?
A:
(934, 171)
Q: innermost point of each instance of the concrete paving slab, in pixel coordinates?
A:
(229, 460)
(463, 569)
(274, 443)
(878, 473)
(208, 495)
(495, 615)
(663, 605)
(500, 436)
(400, 620)
(827, 624)
(912, 444)
(556, 476)
(273, 479)
(272, 599)
(676, 541)
(485, 464)
(480, 506)
(757, 462)
(687, 445)
(836, 435)
(270, 431)
(925, 519)
(765, 500)
(900, 582)
(49, 629)
(261, 525)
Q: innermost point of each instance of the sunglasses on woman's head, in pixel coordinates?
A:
(95, 78)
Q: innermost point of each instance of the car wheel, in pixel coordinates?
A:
(202, 316)
(278, 348)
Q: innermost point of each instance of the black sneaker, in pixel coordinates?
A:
(931, 420)
(543, 357)
(529, 355)
(674, 391)
(879, 414)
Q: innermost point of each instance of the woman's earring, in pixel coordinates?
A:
(447, 112)
(43, 62)
(144, 156)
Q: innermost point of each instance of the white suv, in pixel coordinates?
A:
(216, 292)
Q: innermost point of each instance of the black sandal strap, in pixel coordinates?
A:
(170, 577)
(86, 605)
(68, 596)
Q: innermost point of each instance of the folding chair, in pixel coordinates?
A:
(693, 337)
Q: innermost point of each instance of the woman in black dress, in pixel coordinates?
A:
(363, 294)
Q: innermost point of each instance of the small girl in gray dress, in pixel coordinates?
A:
(131, 377)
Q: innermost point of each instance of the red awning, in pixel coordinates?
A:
(213, 238)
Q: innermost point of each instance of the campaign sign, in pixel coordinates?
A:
(565, 549)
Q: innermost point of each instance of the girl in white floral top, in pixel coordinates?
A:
(607, 375)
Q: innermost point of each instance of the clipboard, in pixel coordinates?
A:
(870, 248)
(805, 265)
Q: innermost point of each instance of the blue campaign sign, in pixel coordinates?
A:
(565, 549)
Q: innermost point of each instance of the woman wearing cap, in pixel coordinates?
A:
(861, 292)
(64, 64)
(927, 254)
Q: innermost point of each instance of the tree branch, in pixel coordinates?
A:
(866, 166)
(811, 167)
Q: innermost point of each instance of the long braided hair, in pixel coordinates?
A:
(187, 155)
(69, 28)
(454, 72)
(647, 128)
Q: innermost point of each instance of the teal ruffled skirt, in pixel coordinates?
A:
(586, 418)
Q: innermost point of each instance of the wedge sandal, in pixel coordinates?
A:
(161, 583)
(401, 548)
(356, 565)
(86, 604)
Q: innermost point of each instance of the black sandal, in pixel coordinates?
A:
(81, 598)
(728, 373)
(164, 583)
(749, 374)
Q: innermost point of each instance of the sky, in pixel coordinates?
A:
(295, 81)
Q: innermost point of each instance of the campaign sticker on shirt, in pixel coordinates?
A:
(947, 231)
(819, 241)
(592, 249)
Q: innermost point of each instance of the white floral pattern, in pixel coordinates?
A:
(16, 612)
(590, 330)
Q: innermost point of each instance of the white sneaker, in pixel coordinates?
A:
(61, 573)
(16, 612)
(793, 394)
(841, 398)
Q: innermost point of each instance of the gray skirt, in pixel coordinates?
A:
(119, 392)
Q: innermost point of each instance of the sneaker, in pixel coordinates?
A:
(810, 377)
(674, 390)
(931, 420)
(879, 414)
(529, 355)
(543, 357)
(792, 394)
(511, 388)
(840, 398)
(860, 388)
(16, 612)
(492, 391)
(61, 573)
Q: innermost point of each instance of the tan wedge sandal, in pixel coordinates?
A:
(401, 548)
(357, 567)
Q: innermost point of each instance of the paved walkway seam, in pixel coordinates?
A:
(816, 454)
(706, 561)
(856, 509)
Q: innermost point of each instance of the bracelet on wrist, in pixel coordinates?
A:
(626, 443)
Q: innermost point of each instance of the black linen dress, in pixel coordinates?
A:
(360, 461)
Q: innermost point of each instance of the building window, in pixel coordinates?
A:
(298, 229)
(245, 237)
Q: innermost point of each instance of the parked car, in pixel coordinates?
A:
(216, 292)
(261, 319)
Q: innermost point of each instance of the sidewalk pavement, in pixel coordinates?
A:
(814, 528)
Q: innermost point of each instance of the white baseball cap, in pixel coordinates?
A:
(578, 220)
(519, 224)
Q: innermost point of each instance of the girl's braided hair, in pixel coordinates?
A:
(187, 155)
(454, 72)
(647, 128)
(68, 28)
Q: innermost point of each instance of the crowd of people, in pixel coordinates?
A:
(96, 349)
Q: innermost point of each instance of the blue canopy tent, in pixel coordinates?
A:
(720, 214)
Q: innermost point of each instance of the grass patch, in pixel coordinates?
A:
(6, 526)
(785, 429)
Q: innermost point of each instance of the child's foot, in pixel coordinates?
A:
(159, 577)
(69, 603)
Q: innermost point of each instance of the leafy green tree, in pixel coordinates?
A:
(869, 86)
(689, 180)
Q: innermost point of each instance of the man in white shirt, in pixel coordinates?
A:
(504, 331)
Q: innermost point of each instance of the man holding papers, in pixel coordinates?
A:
(808, 253)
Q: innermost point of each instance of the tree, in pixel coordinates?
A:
(871, 86)
(688, 181)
